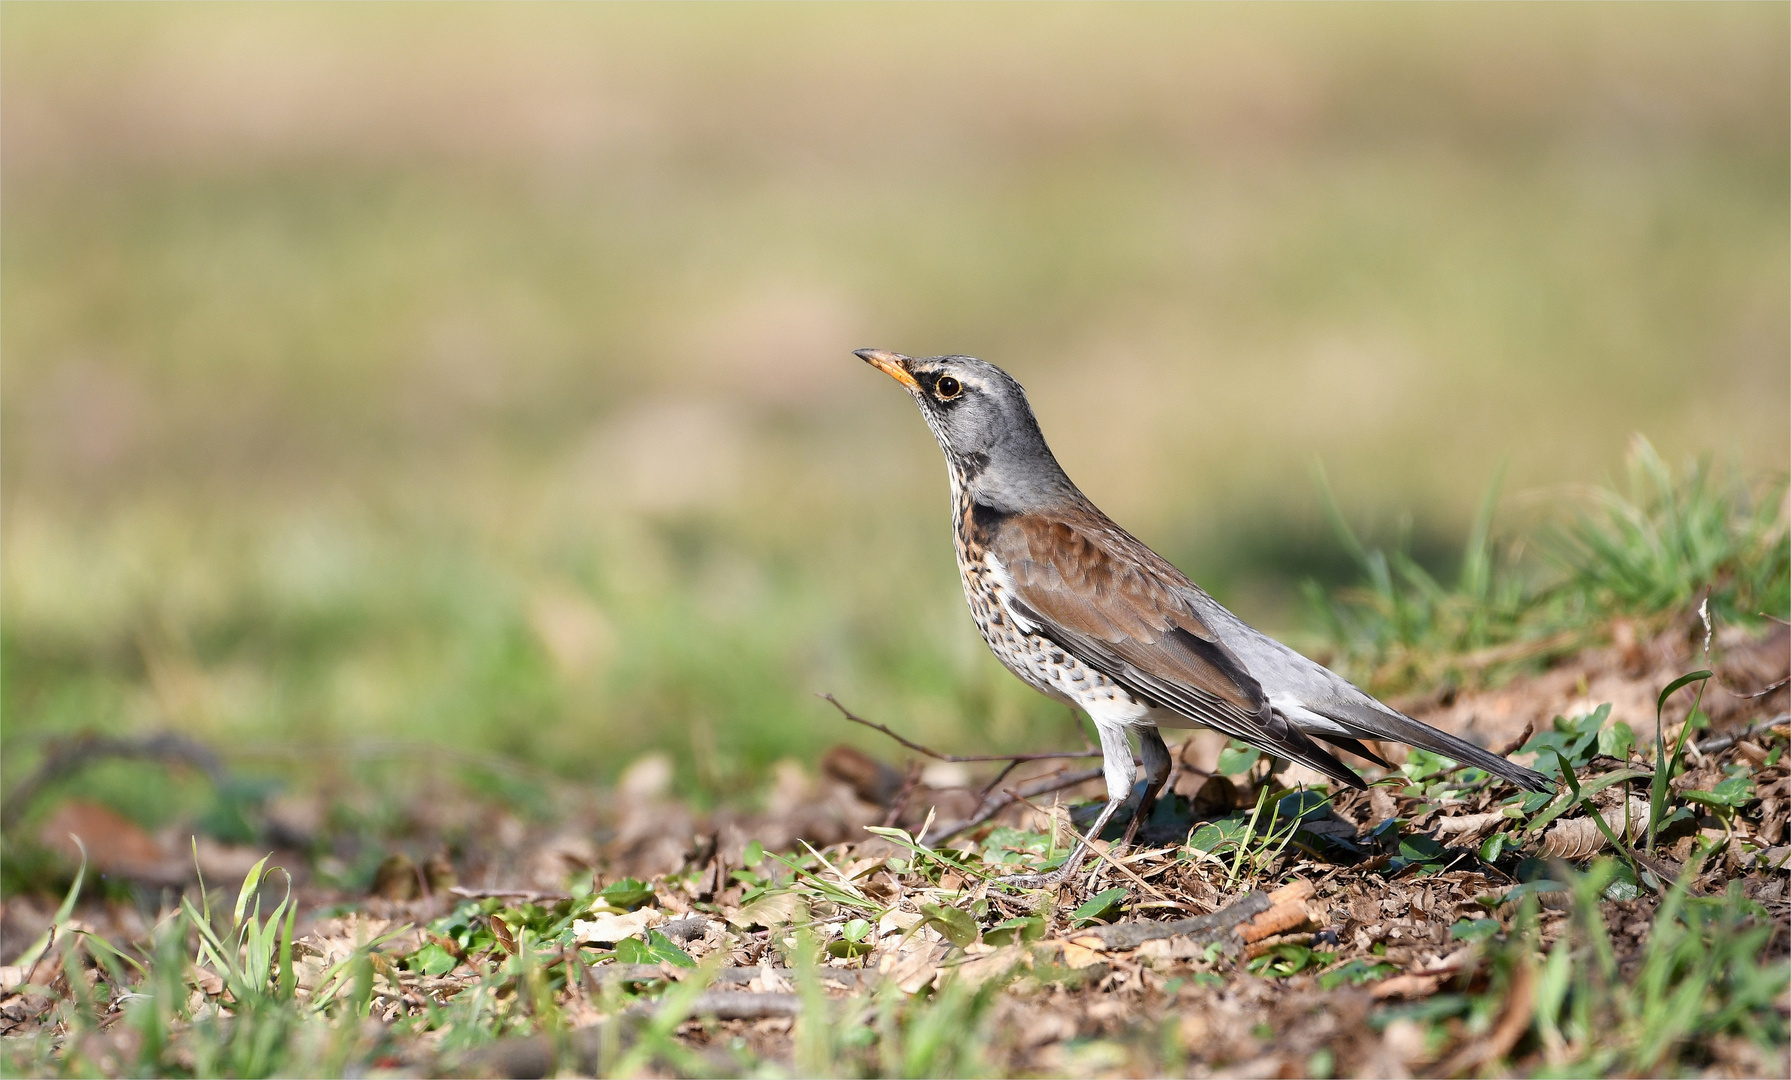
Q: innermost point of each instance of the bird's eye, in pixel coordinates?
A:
(947, 388)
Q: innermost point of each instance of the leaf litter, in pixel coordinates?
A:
(1437, 924)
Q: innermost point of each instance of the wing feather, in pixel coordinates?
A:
(1120, 608)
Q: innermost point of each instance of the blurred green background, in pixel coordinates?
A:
(482, 375)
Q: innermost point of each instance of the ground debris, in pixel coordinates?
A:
(1265, 927)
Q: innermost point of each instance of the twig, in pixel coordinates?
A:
(1202, 928)
(1253, 918)
(65, 757)
(527, 895)
(999, 777)
(936, 755)
(1704, 614)
(901, 800)
(735, 1005)
(991, 807)
(1511, 747)
(1723, 742)
(1288, 911)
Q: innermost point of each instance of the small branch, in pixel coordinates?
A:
(1723, 742)
(1511, 747)
(1202, 928)
(66, 757)
(734, 1005)
(900, 802)
(1288, 911)
(991, 807)
(937, 756)
(999, 777)
(527, 895)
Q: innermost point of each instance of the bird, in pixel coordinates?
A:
(1082, 611)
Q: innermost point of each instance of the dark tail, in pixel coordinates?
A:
(1376, 723)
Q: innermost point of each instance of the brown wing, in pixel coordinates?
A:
(1122, 609)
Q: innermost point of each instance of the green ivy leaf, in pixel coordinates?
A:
(1301, 805)
(1420, 851)
(1474, 929)
(1098, 905)
(626, 894)
(1493, 847)
(1355, 973)
(1616, 740)
(1731, 792)
(656, 949)
(1735, 790)
(848, 950)
(1010, 845)
(432, 959)
(1285, 960)
(1237, 758)
(1216, 834)
(1008, 931)
(956, 924)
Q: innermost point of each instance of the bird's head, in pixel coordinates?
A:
(981, 418)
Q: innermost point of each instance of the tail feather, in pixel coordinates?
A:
(1276, 736)
(1378, 722)
(1354, 746)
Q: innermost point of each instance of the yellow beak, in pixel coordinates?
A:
(892, 364)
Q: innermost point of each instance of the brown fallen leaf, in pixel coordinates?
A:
(1079, 956)
(1467, 824)
(115, 844)
(1406, 986)
(1580, 837)
(209, 982)
(911, 971)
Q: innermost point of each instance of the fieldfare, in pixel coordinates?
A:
(1083, 612)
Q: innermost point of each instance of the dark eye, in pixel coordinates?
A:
(947, 388)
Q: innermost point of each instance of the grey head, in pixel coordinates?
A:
(979, 414)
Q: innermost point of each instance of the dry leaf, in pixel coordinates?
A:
(1079, 956)
(1468, 824)
(1581, 837)
(608, 929)
(770, 912)
(910, 971)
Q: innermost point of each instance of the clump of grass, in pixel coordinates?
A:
(1401, 615)
(1667, 538)
(1647, 550)
(1702, 974)
(258, 1024)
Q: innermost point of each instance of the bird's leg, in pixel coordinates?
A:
(1156, 774)
(1116, 765)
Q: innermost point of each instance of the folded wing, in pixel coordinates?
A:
(1120, 608)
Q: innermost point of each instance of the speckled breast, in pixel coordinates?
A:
(1039, 662)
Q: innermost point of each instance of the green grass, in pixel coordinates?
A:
(413, 416)
(1652, 549)
(1705, 971)
(466, 398)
